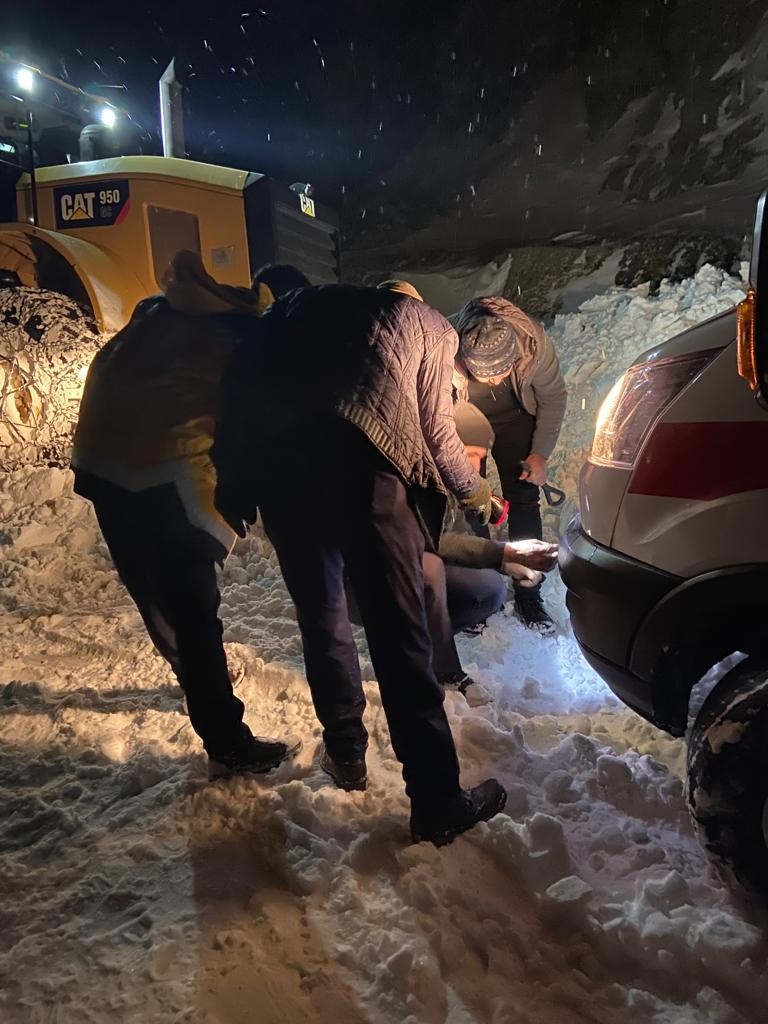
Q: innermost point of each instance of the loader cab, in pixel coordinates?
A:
(120, 221)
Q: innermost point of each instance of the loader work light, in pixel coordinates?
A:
(25, 79)
(108, 117)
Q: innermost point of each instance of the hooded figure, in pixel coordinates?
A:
(508, 368)
(141, 455)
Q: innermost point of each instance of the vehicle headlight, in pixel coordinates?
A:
(636, 401)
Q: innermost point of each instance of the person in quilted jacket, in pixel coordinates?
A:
(336, 424)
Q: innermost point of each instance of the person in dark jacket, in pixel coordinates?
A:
(342, 404)
(511, 373)
(141, 455)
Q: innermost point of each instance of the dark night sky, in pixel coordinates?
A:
(333, 93)
(337, 93)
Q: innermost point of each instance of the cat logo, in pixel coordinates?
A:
(307, 205)
(97, 204)
(78, 206)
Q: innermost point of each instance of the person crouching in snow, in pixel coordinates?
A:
(467, 579)
(341, 405)
(511, 373)
(141, 456)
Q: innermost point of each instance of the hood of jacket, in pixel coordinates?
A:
(190, 289)
(529, 332)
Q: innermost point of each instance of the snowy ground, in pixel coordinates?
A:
(132, 891)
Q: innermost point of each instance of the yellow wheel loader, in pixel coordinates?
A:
(102, 231)
(107, 229)
(95, 234)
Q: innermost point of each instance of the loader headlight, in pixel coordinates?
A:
(25, 79)
(636, 401)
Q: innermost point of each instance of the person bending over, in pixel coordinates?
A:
(141, 455)
(344, 399)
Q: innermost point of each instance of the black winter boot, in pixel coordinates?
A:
(481, 803)
(530, 608)
(348, 775)
(259, 756)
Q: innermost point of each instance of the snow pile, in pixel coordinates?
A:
(46, 346)
(598, 341)
(133, 891)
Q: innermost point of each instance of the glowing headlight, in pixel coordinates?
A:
(636, 401)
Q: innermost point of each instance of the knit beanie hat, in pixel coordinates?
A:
(472, 426)
(489, 351)
(488, 346)
(403, 287)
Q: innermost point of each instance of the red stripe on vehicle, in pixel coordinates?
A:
(124, 212)
(703, 461)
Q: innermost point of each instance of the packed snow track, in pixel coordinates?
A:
(133, 891)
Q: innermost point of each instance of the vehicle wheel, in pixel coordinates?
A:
(728, 773)
(46, 343)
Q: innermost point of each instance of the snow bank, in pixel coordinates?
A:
(133, 891)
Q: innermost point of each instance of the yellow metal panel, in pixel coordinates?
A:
(144, 166)
(220, 213)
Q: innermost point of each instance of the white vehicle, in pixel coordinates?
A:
(667, 563)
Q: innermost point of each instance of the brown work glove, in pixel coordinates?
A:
(480, 502)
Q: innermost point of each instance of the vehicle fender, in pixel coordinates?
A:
(112, 289)
(693, 627)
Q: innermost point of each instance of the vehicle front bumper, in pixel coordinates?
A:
(608, 597)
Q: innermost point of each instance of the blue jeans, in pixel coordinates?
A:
(455, 598)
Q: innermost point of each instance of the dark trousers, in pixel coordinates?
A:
(455, 598)
(512, 445)
(366, 526)
(168, 567)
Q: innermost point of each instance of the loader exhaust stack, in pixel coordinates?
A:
(171, 113)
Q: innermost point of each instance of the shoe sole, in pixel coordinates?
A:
(218, 771)
(543, 629)
(447, 836)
